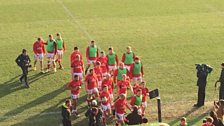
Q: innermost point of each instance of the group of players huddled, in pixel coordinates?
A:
(106, 79)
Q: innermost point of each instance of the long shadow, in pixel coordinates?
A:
(184, 115)
(52, 115)
(34, 103)
(195, 120)
(48, 117)
(13, 84)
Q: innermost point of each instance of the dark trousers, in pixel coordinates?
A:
(201, 95)
(24, 74)
(221, 92)
(66, 122)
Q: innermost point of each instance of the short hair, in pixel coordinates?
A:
(50, 35)
(75, 76)
(67, 101)
(110, 48)
(143, 82)
(90, 70)
(76, 48)
(58, 34)
(209, 119)
(38, 38)
(139, 90)
(77, 56)
(128, 47)
(92, 41)
(104, 86)
(24, 50)
(137, 58)
(183, 119)
(102, 52)
(98, 63)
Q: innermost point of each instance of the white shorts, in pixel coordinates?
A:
(105, 107)
(111, 96)
(112, 68)
(79, 74)
(39, 57)
(89, 62)
(74, 96)
(104, 74)
(119, 116)
(128, 67)
(60, 52)
(144, 104)
(137, 79)
(99, 84)
(50, 55)
(91, 91)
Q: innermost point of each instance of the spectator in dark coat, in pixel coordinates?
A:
(95, 116)
(134, 118)
(216, 122)
(66, 113)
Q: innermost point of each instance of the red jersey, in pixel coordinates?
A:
(75, 84)
(120, 106)
(77, 66)
(92, 81)
(38, 47)
(109, 84)
(135, 88)
(205, 124)
(123, 85)
(98, 72)
(145, 92)
(103, 61)
(73, 55)
(105, 96)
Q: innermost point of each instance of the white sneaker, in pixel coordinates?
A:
(34, 68)
(42, 71)
(55, 70)
(47, 70)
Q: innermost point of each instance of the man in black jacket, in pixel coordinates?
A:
(23, 61)
(221, 80)
(134, 118)
(201, 83)
(95, 115)
(66, 113)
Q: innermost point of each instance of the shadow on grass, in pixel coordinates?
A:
(34, 103)
(197, 119)
(52, 115)
(193, 109)
(13, 84)
(48, 117)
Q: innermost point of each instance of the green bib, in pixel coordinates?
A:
(120, 73)
(138, 100)
(128, 58)
(184, 124)
(50, 45)
(111, 59)
(92, 51)
(137, 68)
(59, 43)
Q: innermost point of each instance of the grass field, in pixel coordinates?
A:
(169, 35)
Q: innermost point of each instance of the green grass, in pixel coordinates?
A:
(169, 35)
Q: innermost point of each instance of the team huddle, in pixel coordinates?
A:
(106, 79)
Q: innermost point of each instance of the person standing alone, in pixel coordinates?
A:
(23, 61)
